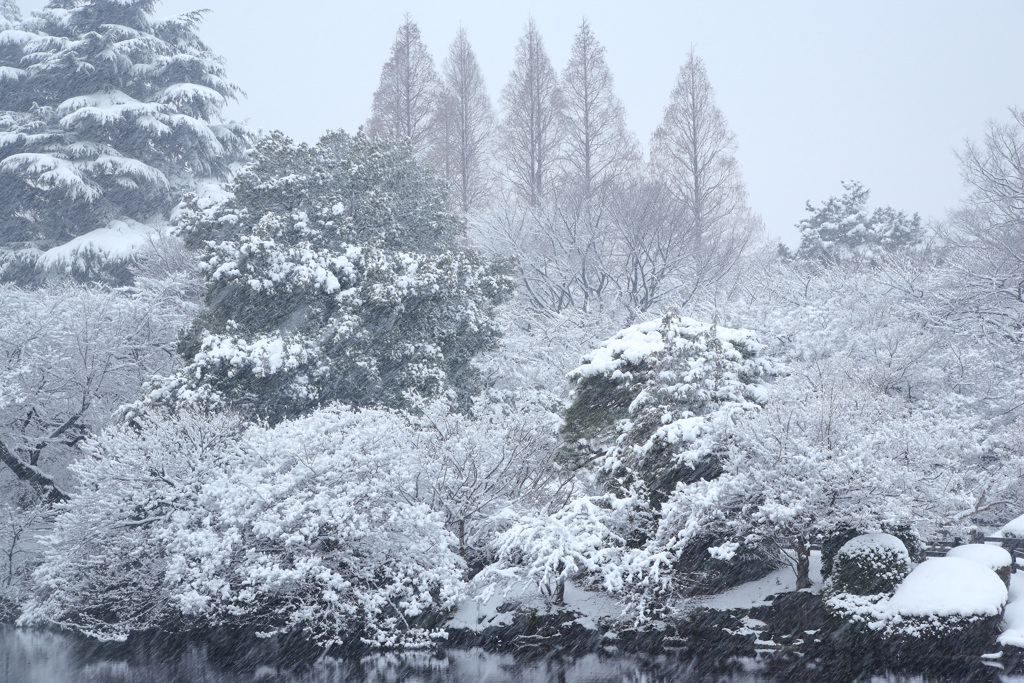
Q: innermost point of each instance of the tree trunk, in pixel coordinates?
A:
(560, 591)
(33, 475)
(803, 563)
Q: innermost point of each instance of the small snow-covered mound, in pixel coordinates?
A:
(1012, 529)
(870, 564)
(949, 586)
(994, 557)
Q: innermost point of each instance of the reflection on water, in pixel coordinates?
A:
(37, 657)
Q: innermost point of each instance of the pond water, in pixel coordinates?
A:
(37, 657)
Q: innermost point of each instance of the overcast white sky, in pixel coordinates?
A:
(880, 91)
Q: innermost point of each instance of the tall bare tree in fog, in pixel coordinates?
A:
(692, 150)
(693, 154)
(465, 127)
(598, 146)
(532, 107)
(405, 102)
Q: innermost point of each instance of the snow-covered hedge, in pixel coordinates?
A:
(995, 557)
(944, 596)
(941, 598)
(870, 564)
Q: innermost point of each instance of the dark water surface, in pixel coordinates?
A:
(38, 657)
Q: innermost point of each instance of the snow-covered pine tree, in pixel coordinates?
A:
(842, 230)
(9, 10)
(338, 277)
(106, 114)
(652, 402)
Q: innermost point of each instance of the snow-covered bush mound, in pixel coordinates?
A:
(1012, 529)
(949, 587)
(947, 597)
(995, 557)
(870, 564)
(943, 597)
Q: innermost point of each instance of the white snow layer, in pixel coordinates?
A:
(1013, 615)
(1013, 528)
(635, 343)
(859, 544)
(994, 557)
(948, 586)
(117, 241)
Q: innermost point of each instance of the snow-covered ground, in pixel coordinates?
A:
(590, 605)
(755, 593)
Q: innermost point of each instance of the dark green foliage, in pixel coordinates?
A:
(832, 542)
(335, 274)
(868, 569)
(705, 574)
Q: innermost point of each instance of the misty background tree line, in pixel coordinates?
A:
(555, 179)
(481, 320)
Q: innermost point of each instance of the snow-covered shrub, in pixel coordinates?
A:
(943, 599)
(833, 540)
(945, 596)
(307, 527)
(870, 564)
(995, 557)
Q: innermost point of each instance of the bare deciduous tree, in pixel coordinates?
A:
(692, 152)
(405, 102)
(465, 127)
(598, 146)
(532, 104)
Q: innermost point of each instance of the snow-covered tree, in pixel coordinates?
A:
(69, 356)
(306, 527)
(841, 229)
(826, 454)
(479, 470)
(654, 402)
(338, 278)
(693, 152)
(530, 135)
(105, 113)
(9, 10)
(587, 538)
(465, 128)
(693, 156)
(406, 101)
